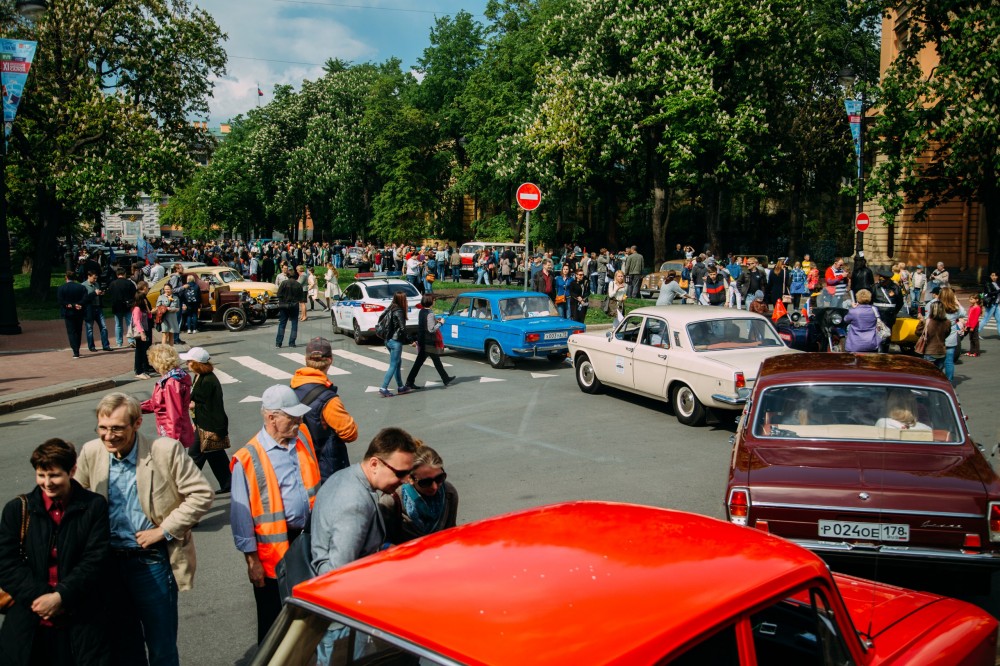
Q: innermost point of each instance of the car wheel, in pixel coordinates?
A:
(358, 339)
(586, 376)
(495, 355)
(333, 322)
(235, 319)
(687, 408)
(558, 357)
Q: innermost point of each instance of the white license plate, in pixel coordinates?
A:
(555, 336)
(842, 529)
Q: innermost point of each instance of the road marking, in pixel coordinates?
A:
(37, 417)
(407, 355)
(362, 360)
(536, 375)
(252, 398)
(301, 360)
(261, 367)
(373, 389)
(484, 380)
(531, 441)
(225, 378)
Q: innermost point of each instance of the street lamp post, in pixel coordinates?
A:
(848, 78)
(30, 9)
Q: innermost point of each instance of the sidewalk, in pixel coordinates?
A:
(37, 367)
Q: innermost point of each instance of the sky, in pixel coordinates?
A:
(287, 41)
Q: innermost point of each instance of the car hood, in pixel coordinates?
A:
(248, 285)
(893, 480)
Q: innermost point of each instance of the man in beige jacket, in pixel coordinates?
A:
(155, 495)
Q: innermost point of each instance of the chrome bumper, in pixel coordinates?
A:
(903, 552)
(539, 351)
(741, 397)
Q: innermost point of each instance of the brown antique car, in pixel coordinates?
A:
(858, 455)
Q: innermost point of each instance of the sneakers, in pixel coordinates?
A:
(970, 354)
(142, 376)
(449, 380)
(402, 390)
(107, 349)
(414, 387)
(385, 393)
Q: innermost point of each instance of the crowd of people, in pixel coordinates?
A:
(109, 526)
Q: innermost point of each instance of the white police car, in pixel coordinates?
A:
(358, 309)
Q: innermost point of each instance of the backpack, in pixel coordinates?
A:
(385, 327)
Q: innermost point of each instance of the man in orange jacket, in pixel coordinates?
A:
(328, 421)
(275, 481)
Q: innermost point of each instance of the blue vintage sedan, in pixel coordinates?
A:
(508, 324)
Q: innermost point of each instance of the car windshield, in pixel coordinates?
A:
(229, 276)
(526, 307)
(719, 334)
(857, 412)
(384, 292)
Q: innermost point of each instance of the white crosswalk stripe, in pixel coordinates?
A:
(225, 377)
(261, 367)
(406, 355)
(301, 360)
(361, 360)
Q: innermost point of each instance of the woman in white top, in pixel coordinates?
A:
(616, 296)
(312, 290)
(332, 290)
(902, 409)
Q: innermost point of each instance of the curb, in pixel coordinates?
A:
(50, 394)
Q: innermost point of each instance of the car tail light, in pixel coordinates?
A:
(739, 506)
(576, 331)
(994, 518)
(419, 306)
(532, 337)
(372, 307)
(786, 336)
(762, 526)
(972, 542)
(740, 380)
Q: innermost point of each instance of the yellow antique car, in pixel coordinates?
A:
(904, 333)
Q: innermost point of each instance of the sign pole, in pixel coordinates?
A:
(527, 247)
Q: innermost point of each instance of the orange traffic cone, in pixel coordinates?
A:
(779, 311)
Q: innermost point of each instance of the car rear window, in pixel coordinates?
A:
(721, 334)
(526, 307)
(386, 291)
(857, 412)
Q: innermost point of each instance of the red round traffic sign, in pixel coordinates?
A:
(862, 221)
(529, 196)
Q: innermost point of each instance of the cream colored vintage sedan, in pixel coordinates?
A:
(695, 357)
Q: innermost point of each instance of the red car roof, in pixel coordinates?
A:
(851, 368)
(582, 582)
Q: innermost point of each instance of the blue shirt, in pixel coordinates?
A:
(124, 509)
(285, 463)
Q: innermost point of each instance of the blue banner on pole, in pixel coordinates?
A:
(15, 63)
(854, 110)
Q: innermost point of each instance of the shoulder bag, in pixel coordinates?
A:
(884, 332)
(921, 344)
(6, 601)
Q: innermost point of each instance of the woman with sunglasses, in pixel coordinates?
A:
(425, 503)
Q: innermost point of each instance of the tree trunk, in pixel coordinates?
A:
(713, 209)
(660, 214)
(795, 220)
(51, 214)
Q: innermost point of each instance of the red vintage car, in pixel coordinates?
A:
(602, 583)
(864, 455)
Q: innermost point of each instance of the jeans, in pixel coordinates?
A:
(286, 312)
(697, 294)
(121, 324)
(456, 274)
(190, 321)
(428, 287)
(338, 260)
(96, 317)
(442, 270)
(949, 363)
(938, 361)
(593, 284)
(395, 361)
(563, 308)
(482, 276)
(990, 311)
(144, 596)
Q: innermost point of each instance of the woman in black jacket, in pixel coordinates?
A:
(57, 577)
(426, 335)
(209, 415)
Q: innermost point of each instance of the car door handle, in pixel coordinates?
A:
(628, 349)
(663, 356)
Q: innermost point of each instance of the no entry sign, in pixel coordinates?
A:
(529, 196)
(862, 221)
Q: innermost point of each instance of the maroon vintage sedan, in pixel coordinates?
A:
(863, 454)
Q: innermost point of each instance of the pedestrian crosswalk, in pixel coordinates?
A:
(367, 363)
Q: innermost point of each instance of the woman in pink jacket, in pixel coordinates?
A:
(171, 396)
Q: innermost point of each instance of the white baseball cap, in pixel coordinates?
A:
(197, 354)
(282, 398)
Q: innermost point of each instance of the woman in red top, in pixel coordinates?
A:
(171, 396)
(972, 324)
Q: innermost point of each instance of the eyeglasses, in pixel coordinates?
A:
(400, 473)
(114, 430)
(426, 483)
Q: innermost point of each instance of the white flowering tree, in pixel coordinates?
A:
(106, 110)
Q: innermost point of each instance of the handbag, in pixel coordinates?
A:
(884, 332)
(211, 441)
(6, 601)
(438, 341)
(560, 299)
(921, 344)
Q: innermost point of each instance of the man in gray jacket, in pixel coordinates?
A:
(346, 523)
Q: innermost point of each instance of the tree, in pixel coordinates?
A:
(940, 134)
(104, 115)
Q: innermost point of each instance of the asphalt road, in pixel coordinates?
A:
(510, 439)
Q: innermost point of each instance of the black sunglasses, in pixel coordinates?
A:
(426, 483)
(400, 473)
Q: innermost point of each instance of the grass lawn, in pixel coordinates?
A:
(29, 309)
